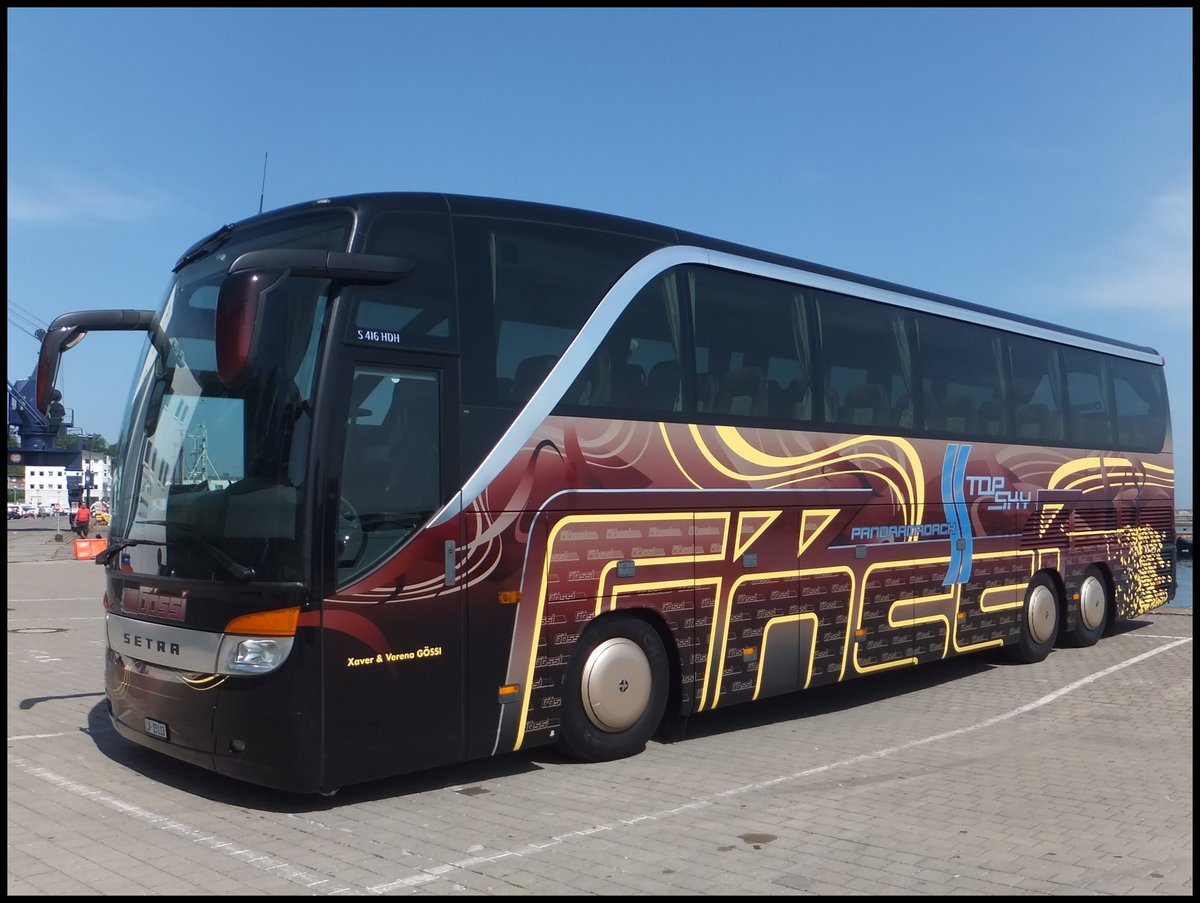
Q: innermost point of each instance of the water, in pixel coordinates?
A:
(1183, 595)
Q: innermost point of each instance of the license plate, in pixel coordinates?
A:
(157, 729)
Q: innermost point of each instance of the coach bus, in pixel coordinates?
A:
(482, 475)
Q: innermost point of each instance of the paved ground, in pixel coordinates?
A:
(36, 539)
(975, 776)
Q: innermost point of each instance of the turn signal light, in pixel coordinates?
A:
(276, 622)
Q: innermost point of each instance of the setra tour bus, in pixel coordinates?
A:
(408, 479)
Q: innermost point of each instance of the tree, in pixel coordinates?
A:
(94, 442)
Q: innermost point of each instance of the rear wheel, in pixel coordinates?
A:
(1092, 619)
(616, 690)
(1039, 622)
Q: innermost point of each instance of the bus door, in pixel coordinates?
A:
(393, 625)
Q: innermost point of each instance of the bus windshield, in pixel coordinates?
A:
(209, 479)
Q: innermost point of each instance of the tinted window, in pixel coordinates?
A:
(392, 474)
(960, 378)
(753, 355)
(1139, 393)
(416, 311)
(1089, 414)
(867, 363)
(1035, 391)
(525, 290)
(637, 366)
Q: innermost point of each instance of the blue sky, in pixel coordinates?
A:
(1035, 160)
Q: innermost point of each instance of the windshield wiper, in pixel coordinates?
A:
(106, 556)
(204, 248)
(239, 571)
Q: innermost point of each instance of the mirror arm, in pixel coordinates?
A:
(356, 269)
(68, 330)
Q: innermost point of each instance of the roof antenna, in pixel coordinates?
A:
(264, 183)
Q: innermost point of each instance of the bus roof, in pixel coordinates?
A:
(370, 203)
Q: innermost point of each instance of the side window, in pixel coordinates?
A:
(867, 363)
(961, 385)
(1089, 417)
(636, 367)
(528, 288)
(391, 481)
(526, 352)
(1035, 392)
(753, 354)
(1141, 405)
(416, 311)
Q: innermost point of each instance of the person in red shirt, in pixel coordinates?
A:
(83, 517)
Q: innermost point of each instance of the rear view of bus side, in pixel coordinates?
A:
(763, 480)
(495, 475)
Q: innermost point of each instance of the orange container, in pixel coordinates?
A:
(89, 548)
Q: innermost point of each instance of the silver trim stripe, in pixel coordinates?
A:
(613, 304)
(173, 647)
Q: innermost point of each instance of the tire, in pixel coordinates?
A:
(1039, 622)
(1092, 618)
(616, 690)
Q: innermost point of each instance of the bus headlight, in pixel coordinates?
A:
(258, 642)
(252, 655)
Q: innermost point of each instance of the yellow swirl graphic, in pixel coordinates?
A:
(902, 472)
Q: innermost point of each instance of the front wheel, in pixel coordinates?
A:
(1092, 618)
(1039, 622)
(616, 690)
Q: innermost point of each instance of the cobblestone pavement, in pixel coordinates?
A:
(973, 776)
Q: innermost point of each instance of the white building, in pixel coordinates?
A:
(47, 486)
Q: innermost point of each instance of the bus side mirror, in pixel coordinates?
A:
(241, 304)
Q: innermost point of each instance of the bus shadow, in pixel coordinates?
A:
(467, 778)
(840, 697)
(830, 698)
(218, 788)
